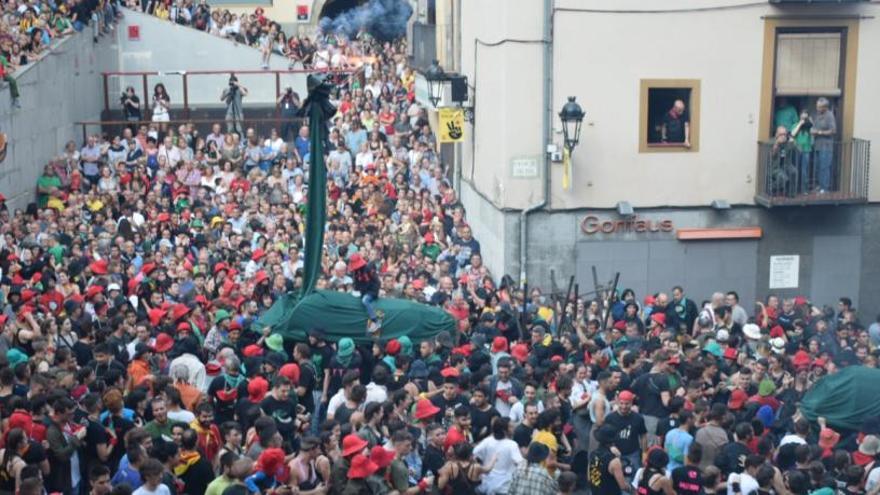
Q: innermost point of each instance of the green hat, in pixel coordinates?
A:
(766, 387)
(275, 342)
(221, 315)
(714, 349)
(198, 223)
(406, 345)
(345, 347)
(15, 357)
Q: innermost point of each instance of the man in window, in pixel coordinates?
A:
(676, 126)
(823, 131)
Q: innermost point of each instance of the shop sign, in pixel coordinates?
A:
(592, 224)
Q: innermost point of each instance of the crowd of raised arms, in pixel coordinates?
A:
(132, 358)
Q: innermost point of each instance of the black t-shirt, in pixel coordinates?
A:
(522, 435)
(307, 380)
(338, 370)
(665, 425)
(648, 389)
(732, 458)
(83, 353)
(629, 428)
(132, 109)
(481, 422)
(675, 126)
(35, 454)
(446, 405)
(687, 480)
(432, 461)
(95, 435)
(284, 414)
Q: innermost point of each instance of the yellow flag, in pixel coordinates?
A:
(566, 169)
(451, 125)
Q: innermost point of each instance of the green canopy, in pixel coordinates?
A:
(845, 398)
(343, 315)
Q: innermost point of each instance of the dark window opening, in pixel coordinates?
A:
(333, 8)
(661, 102)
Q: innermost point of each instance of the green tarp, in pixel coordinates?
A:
(845, 398)
(343, 315)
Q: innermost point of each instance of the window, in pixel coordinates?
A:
(669, 115)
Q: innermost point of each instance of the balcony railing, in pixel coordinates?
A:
(830, 173)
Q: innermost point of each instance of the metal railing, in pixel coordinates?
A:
(282, 78)
(261, 126)
(832, 172)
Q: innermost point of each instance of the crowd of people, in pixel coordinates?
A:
(132, 358)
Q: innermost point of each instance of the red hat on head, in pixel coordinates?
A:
(418, 284)
(499, 344)
(800, 300)
(252, 350)
(258, 254)
(777, 331)
(392, 347)
(98, 267)
(164, 343)
(291, 371)
(556, 359)
(819, 363)
(356, 262)
(219, 267)
(650, 300)
(270, 461)
(91, 292)
(353, 444)
(201, 299)
(425, 409)
(148, 268)
(260, 277)
(737, 400)
(626, 396)
(449, 371)
(163, 217)
(234, 324)
(730, 353)
(520, 352)
(178, 311)
(659, 318)
(801, 359)
(361, 467)
(429, 237)
(464, 350)
(184, 327)
(257, 389)
(381, 456)
(28, 294)
(828, 438)
(155, 315)
(620, 325)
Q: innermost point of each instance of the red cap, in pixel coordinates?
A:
(99, 267)
(219, 267)
(650, 300)
(626, 396)
(499, 344)
(260, 277)
(257, 389)
(620, 325)
(392, 347)
(425, 409)
(361, 467)
(163, 217)
(737, 400)
(381, 456)
(730, 353)
(91, 292)
(801, 359)
(184, 327)
(252, 350)
(418, 284)
(148, 268)
(800, 300)
(178, 311)
(819, 362)
(291, 371)
(155, 315)
(659, 318)
(164, 343)
(258, 254)
(449, 371)
(353, 444)
(520, 352)
(777, 331)
(356, 262)
(234, 324)
(201, 299)
(28, 294)
(556, 359)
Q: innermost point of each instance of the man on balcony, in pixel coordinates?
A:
(676, 126)
(823, 131)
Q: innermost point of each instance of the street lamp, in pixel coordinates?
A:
(571, 115)
(435, 77)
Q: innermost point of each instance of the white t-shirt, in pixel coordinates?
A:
(747, 484)
(792, 439)
(518, 412)
(507, 459)
(160, 490)
(182, 416)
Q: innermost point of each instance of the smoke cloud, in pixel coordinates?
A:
(385, 20)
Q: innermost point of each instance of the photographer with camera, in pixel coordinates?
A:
(290, 103)
(232, 96)
(131, 105)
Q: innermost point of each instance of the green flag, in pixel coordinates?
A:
(316, 210)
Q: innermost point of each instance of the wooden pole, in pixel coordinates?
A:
(608, 300)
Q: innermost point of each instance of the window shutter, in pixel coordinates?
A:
(808, 64)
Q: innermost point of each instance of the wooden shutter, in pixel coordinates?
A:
(808, 64)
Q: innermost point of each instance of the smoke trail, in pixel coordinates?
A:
(385, 20)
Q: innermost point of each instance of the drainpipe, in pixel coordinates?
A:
(547, 138)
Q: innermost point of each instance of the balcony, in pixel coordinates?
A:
(424, 45)
(830, 175)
